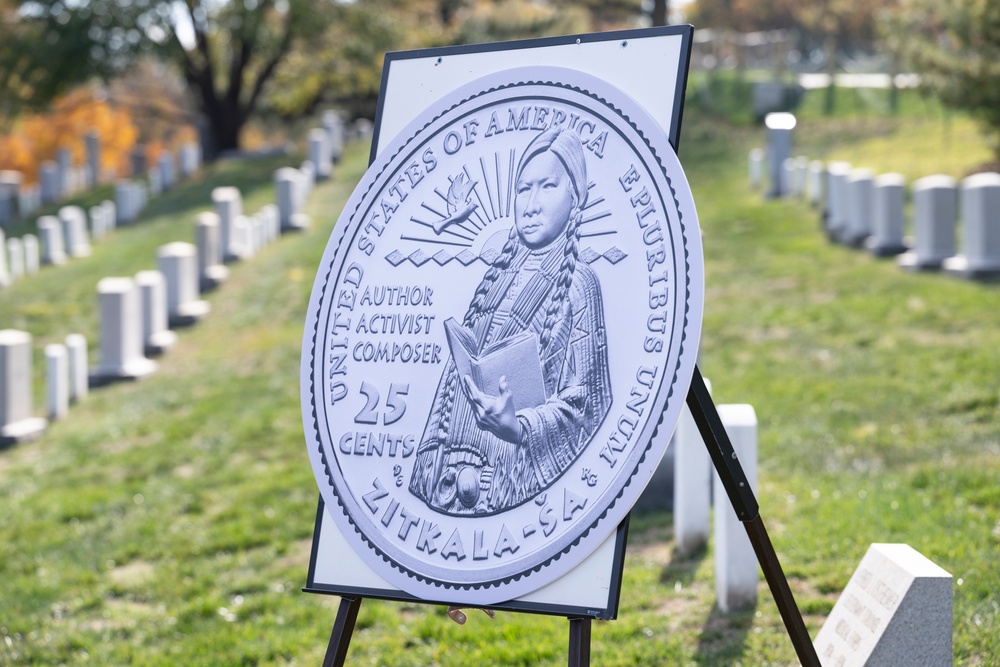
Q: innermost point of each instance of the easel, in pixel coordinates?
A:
(741, 497)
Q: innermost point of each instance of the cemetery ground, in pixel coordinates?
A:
(169, 521)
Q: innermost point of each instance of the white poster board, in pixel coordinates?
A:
(415, 80)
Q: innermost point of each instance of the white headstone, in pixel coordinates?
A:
(17, 423)
(789, 185)
(110, 214)
(334, 127)
(887, 216)
(188, 160)
(836, 198)
(93, 141)
(179, 264)
(74, 222)
(121, 332)
(895, 610)
(49, 179)
(288, 187)
(319, 153)
(156, 337)
(735, 562)
(980, 201)
(155, 179)
(272, 223)
(801, 175)
(53, 248)
(814, 182)
(126, 203)
(76, 348)
(15, 258)
(859, 184)
(228, 206)
(211, 271)
(29, 199)
(57, 381)
(779, 148)
(98, 227)
(308, 182)
(692, 484)
(32, 257)
(5, 278)
(239, 242)
(934, 210)
(10, 196)
(64, 165)
(168, 175)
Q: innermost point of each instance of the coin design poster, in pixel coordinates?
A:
(508, 309)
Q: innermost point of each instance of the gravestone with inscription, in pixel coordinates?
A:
(896, 611)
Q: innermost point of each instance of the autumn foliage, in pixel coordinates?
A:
(36, 138)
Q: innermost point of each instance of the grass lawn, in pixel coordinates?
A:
(168, 522)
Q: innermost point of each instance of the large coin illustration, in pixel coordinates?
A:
(508, 309)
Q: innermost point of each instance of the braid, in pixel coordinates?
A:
(501, 264)
(571, 251)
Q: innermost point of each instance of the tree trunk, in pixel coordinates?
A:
(222, 125)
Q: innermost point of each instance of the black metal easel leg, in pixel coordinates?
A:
(579, 642)
(343, 628)
(741, 496)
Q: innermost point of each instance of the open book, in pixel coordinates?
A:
(515, 358)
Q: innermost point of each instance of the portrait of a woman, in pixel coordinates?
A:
(477, 454)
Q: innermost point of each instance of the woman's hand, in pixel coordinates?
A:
(494, 413)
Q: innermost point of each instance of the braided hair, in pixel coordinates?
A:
(566, 146)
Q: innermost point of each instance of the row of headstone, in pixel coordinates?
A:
(59, 178)
(865, 210)
(19, 257)
(136, 313)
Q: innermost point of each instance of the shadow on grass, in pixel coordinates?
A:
(682, 566)
(723, 636)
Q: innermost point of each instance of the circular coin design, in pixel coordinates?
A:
(508, 309)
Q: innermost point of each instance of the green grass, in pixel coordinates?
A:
(168, 522)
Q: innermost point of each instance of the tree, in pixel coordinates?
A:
(955, 47)
(227, 52)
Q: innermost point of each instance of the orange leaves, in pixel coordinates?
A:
(38, 137)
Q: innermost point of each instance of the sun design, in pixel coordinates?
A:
(477, 210)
